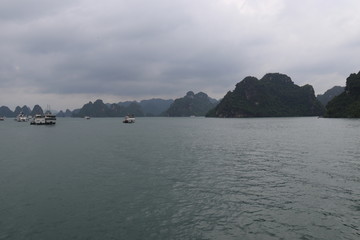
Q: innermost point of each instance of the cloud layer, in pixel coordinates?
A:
(66, 53)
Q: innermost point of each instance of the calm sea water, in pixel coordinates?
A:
(181, 178)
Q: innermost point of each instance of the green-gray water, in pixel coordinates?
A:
(181, 178)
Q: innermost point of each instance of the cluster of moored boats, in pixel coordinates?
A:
(50, 119)
(39, 119)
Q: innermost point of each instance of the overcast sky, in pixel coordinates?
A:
(69, 52)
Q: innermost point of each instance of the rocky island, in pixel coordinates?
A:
(191, 105)
(347, 104)
(274, 95)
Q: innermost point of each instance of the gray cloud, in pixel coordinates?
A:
(17, 11)
(136, 49)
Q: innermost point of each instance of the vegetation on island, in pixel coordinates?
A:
(275, 95)
(191, 105)
(347, 104)
(100, 109)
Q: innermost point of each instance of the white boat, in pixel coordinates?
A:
(38, 119)
(50, 118)
(129, 119)
(2, 118)
(21, 117)
(44, 119)
(87, 117)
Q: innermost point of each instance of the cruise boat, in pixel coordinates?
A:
(50, 118)
(38, 119)
(44, 119)
(129, 119)
(21, 117)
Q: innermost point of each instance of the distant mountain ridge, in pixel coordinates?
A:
(36, 110)
(151, 107)
(67, 113)
(330, 94)
(6, 112)
(25, 110)
(191, 105)
(274, 95)
(100, 109)
(195, 104)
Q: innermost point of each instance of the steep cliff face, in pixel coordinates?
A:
(275, 95)
(347, 104)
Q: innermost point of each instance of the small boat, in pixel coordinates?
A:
(44, 119)
(129, 119)
(87, 117)
(2, 118)
(21, 117)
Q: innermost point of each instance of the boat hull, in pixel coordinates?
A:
(129, 119)
(42, 123)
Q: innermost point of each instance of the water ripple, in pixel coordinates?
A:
(162, 178)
